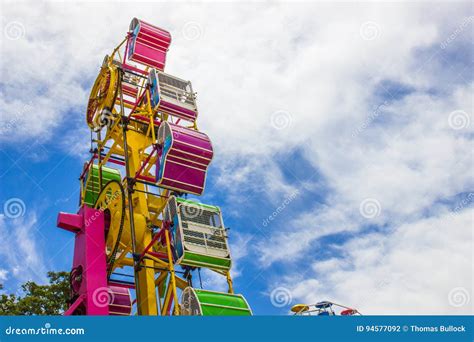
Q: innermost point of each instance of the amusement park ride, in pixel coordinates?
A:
(136, 232)
(147, 155)
(324, 308)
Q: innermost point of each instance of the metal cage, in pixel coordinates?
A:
(148, 44)
(184, 158)
(198, 234)
(172, 95)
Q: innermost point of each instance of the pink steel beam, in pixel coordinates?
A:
(74, 306)
(89, 254)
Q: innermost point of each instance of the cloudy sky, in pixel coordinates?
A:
(342, 131)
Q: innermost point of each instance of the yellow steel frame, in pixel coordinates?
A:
(154, 274)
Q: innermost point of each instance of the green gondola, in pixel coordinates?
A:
(198, 234)
(91, 185)
(196, 302)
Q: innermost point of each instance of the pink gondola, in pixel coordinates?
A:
(183, 159)
(148, 44)
(120, 303)
(349, 312)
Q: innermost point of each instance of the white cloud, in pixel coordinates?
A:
(405, 169)
(3, 274)
(20, 252)
(411, 270)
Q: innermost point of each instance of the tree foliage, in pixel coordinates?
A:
(50, 299)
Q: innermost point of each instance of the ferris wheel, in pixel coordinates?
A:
(324, 308)
(140, 242)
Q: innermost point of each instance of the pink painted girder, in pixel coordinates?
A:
(184, 158)
(148, 44)
(89, 255)
(94, 296)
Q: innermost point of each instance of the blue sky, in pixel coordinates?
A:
(351, 126)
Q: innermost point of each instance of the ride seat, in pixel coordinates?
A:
(148, 44)
(183, 160)
(172, 95)
(91, 188)
(198, 234)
